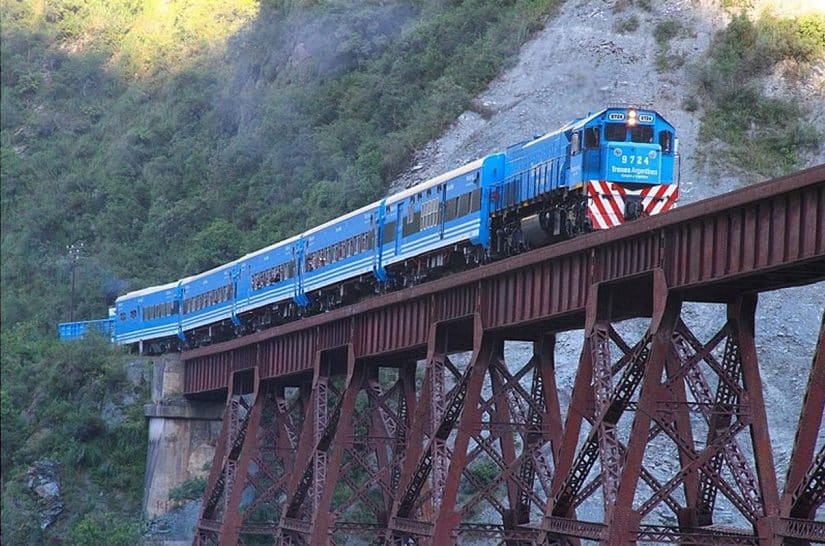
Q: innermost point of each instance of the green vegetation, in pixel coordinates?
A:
(189, 490)
(663, 33)
(108, 528)
(53, 398)
(761, 134)
(170, 137)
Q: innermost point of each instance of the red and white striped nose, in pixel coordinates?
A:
(610, 204)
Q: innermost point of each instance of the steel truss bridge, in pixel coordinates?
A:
(398, 420)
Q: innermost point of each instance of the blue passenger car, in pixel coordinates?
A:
(340, 250)
(209, 298)
(151, 313)
(269, 276)
(434, 224)
(71, 331)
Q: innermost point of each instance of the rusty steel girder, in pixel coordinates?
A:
(400, 421)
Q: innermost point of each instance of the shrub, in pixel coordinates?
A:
(666, 31)
(110, 529)
(627, 25)
(758, 134)
(189, 490)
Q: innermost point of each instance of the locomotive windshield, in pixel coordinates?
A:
(615, 132)
(618, 132)
(642, 133)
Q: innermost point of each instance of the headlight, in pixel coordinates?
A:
(631, 117)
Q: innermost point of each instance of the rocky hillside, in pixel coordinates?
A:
(661, 54)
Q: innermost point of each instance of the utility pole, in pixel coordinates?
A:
(74, 250)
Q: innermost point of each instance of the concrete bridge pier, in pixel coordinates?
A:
(182, 436)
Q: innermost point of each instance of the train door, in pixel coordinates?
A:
(234, 275)
(377, 222)
(576, 156)
(298, 253)
(591, 153)
(179, 299)
(402, 210)
(441, 190)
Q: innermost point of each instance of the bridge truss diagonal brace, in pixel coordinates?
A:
(309, 484)
(804, 491)
(322, 518)
(596, 400)
(485, 348)
(428, 461)
(623, 523)
(216, 515)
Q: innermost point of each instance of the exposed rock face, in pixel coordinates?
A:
(42, 480)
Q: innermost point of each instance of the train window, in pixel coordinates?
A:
(413, 226)
(615, 132)
(642, 133)
(574, 143)
(123, 316)
(450, 209)
(133, 314)
(475, 200)
(175, 307)
(464, 204)
(591, 138)
(389, 232)
(429, 213)
(410, 212)
(666, 141)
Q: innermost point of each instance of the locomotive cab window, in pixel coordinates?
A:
(615, 132)
(591, 138)
(666, 141)
(642, 133)
(574, 143)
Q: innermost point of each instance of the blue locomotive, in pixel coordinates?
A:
(594, 173)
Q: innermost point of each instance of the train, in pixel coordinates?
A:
(594, 173)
